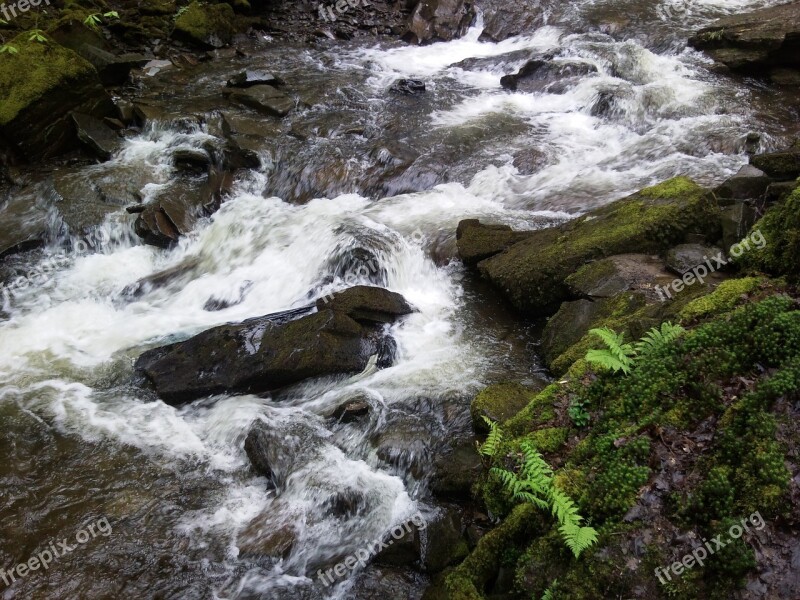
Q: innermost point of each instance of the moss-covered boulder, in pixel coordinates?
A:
(477, 241)
(780, 251)
(783, 165)
(40, 86)
(207, 25)
(531, 274)
(499, 403)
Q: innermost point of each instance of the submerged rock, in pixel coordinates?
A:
(263, 98)
(367, 304)
(252, 77)
(96, 135)
(546, 75)
(262, 354)
(408, 86)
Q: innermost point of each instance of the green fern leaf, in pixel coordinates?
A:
(618, 356)
(494, 439)
(656, 338)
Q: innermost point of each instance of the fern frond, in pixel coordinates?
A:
(578, 538)
(534, 466)
(494, 439)
(564, 509)
(549, 593)
(618, 356)
(656, 338)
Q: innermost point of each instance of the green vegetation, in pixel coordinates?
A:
(619, 356)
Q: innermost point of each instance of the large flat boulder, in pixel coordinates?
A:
(40, 86)
(754, 41)
(531, 274)
(205, 25)
(262, 354)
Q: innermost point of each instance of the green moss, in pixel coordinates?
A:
(210, 25)
(539, 411)
(33, 72)
(532, 272)
(590, 277)
(549, 439)
(722, 300)
(780, 227)
(470, 578)
(499, 403)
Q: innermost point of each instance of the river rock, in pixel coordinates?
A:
(251, 77)
(477, 241)
(439, 20)
(261, 354)
(498, 403)
(408, 86)
(263, 98)
(174, 211)
(40, 87)
(442, 542)
(685, 257)
(755, 41)
(749, 183)
(502, 20)
(456, 471)
(546, 75)
(206, 25)
(96, 135)
(278, 450)
(367, 304)
(531, 274)
(783, 165)
(23, 223)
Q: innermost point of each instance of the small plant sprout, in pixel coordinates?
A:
(94, 20)
(37, 35)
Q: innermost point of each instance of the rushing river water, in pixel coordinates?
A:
(82, 440)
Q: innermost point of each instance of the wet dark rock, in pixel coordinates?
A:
(477, 241)
(749, 42)
(352, 410)
(749, 183)
(174, 211)
(530, 161)
(113, 70)
(736, 220)
(263, 98)
(404, 445)
(389, 583)
(783, 165)
(263, 536)
(402, 550)
(181, 271)
(205, 25)
(686, 257)
(96, 135)
(439, 20)
(261, 354)
(23, 224)
(502, 20)
(546, 75)
(408, 86)
(367, 305)
(191, 159)
(278, 450)
(615, 275)
(41, 86)
(456, 471)
(251, 77)
(443, 543)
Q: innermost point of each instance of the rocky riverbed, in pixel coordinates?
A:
(292, 291)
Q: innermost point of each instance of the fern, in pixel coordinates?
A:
(549, 592)
(8, 48)
(656, 338)
(493, 441)
(37, 35)
(534, 485)
(617, 356)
